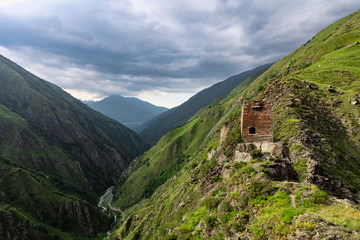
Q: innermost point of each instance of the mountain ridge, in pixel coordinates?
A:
(56, 156)
(130, 111)
(154, 129)
(230, 189)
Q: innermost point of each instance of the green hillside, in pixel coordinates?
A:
(157, 127)
(311, 192)
(56, 157)
(172, 152)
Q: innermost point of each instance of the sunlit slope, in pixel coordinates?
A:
(157, 127)
(172, 152)
(215, 196)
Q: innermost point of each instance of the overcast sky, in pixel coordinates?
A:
(158, 50)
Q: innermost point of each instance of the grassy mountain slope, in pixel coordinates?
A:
(171, 153)
(56, 156)
(318, 82)
(157, 127)
(218, 196)
(131, 112)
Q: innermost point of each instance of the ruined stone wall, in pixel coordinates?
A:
(256, 121)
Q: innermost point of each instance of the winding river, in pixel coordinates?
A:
(105, 204)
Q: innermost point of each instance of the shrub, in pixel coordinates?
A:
(244, 216)
(170, 237)
(56, 237)
(216, 179)
(211, 203)
(319, 197)
(226, 217)
(224, 207)
(256, 153)
(207, 166)
(219, 191)
(258, 232)
(239, 165)
(237, 227)
(261, 88)
(210, 222)
(247, 169)
(232, 138)
(136, 236)
(255, 187)
(193, 165)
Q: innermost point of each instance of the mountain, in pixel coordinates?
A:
(131, 112)
(208, 181)
(56, 156)
(171, 152)
(154, 129)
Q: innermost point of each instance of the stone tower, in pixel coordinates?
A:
(256, 122)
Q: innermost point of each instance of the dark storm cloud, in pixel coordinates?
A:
(125, 47)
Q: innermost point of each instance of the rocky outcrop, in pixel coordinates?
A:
(281, 170)
(325, 137)
(327, 182)
(57, 210)
(273, 148)
(313, 227)
(243, 150)
(14, 228)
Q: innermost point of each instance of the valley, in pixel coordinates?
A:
(270, 153)
(56, 157)
(106, 206)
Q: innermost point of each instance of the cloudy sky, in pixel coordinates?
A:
(158, 50)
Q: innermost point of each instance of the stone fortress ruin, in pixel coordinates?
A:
(257, 135)
(256, 122)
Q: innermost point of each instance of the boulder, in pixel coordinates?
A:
(274, 148)
(242, 156)
(245, 147)
(281, 170)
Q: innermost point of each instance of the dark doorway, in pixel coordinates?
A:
(252, 130)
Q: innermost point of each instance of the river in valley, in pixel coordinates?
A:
(105, 205)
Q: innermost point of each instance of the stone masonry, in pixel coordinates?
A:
(256, 122)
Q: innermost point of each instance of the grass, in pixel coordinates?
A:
(344, 215)
(24, 192)
(7, 114)
(185, 140)
(300, 169)
(188, 204)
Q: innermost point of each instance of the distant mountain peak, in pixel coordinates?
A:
(130, 111)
